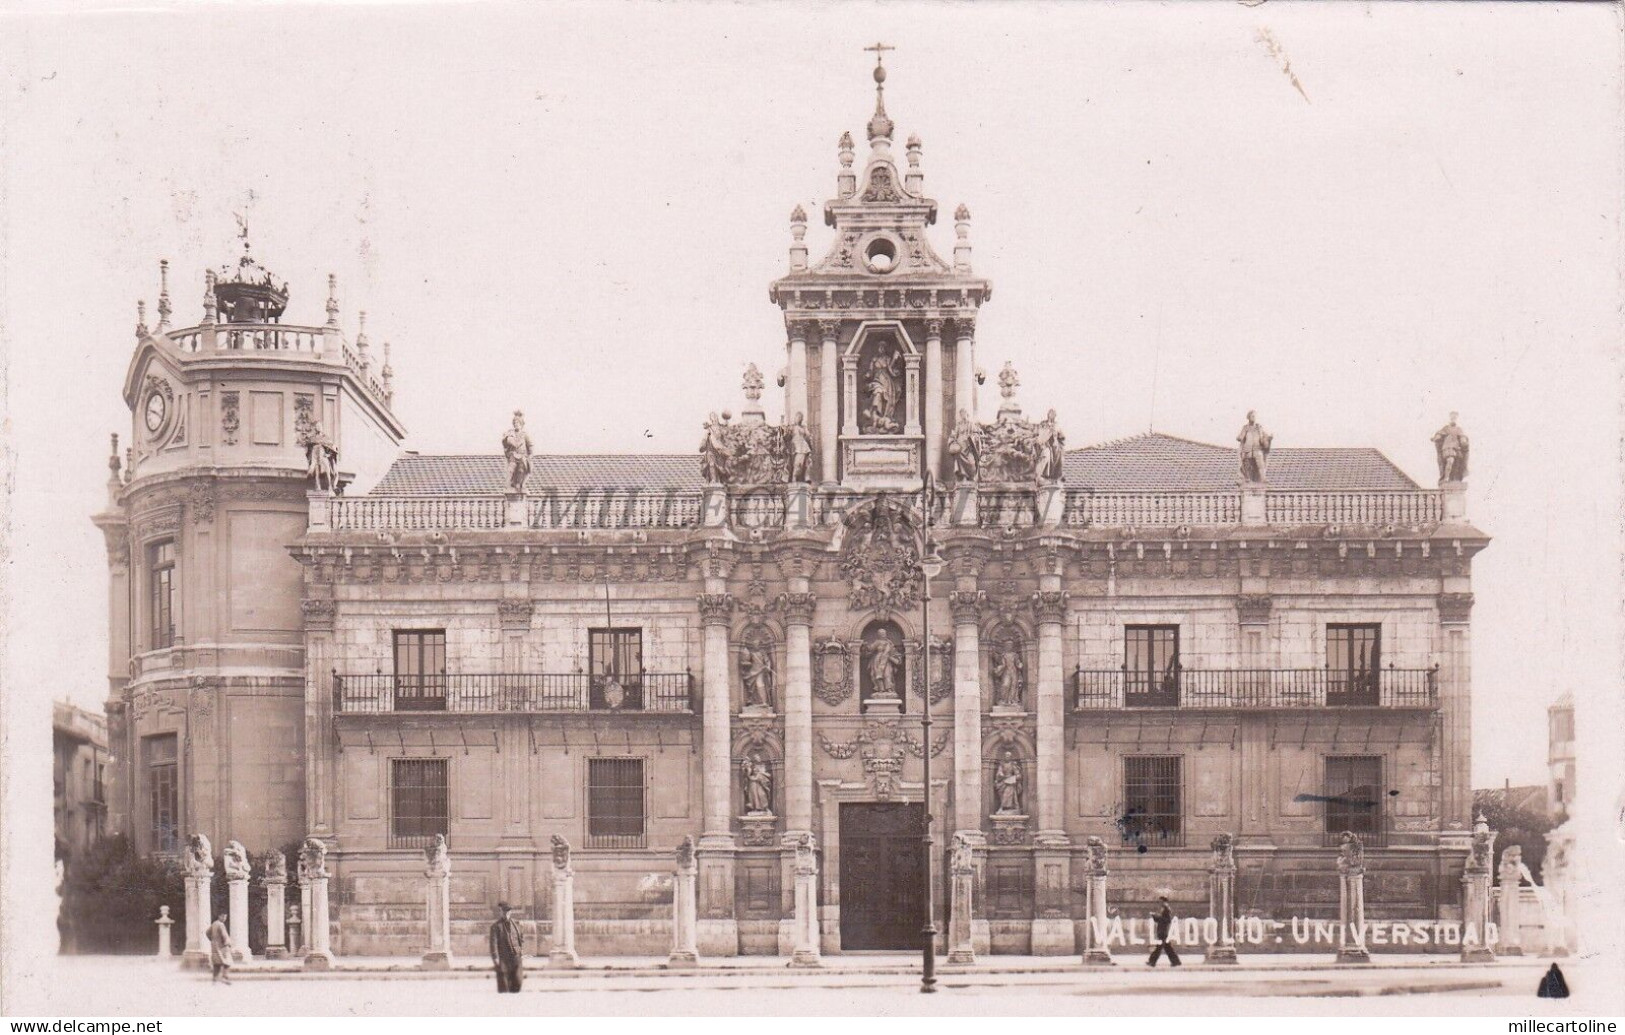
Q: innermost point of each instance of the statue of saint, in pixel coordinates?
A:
(1009, 783)
(884, 378)
(1051, 448)
(1450, 442)
(1254, 444)
(758, 781)
(756, 674)
(884, 662)
(517, 450)
(799, 446)
(964, 447)
(1007, 672)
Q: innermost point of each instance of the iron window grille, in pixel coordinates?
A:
(1152, 802)
(161, 578)
(417, 801)
(615, 813)
(1354, 798)
(162, 762)
(1353, 664)
(420, 670)
(1151, 666)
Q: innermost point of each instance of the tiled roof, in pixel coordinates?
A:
(1154, 462)
(1145, 463)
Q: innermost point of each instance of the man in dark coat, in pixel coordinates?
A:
(507, 949)
(220, 950)
(1164, 920)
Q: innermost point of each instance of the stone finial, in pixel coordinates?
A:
(846, 150)
(962, 215)
(363, 358)
(140, 319)
(753, 383)
(798, 239)
(210, 304)
(129, 463)
(164, 309)
(387, 376)
(1009, 381)
(914, 180)
(333, 300)
(114, 462)
(962, 239)
(881, 126)
(846, 183)
(799, 215)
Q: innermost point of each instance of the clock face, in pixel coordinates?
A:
(157, 410)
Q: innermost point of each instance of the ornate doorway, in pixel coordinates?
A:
(882, 875)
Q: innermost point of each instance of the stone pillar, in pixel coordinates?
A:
(967, 604)
(166, 947)
(934, 412)
(319, 503)
(275, 882)
(962, 877)
(437, 901)
(313, 878)
(1454, 683)
(296, 941)
(685, 950)
(807, 951)
(717, 925)
(1095, 953)
(1253, 511)
(829, 414)
(798, 607)
(1511, 940)
(1053, 932)
(514, 510)
(1351, 901)
(196, 956)
(237, 913)
(965, 364)
(1221, 900)
(563, 953)
(1475, 898)
(796, 378)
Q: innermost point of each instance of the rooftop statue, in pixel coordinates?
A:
(1254, 443)
(517, 450)
(1450, 442)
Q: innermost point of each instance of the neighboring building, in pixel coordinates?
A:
(1560, 757)
(1128, 641)
(79, 777)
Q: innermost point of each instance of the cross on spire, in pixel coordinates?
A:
(879, 50)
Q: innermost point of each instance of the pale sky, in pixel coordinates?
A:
(1353, 218)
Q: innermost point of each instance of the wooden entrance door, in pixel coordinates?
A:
(882, 875)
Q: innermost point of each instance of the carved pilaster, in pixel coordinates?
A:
(200, 503)
(1254, 608)
(716, 608)
(318, 614)
(1455, 607)
(796, 607)
(1050, 606)
(967, 607)
(515, 614)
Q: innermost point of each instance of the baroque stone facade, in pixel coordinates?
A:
(1130, 644)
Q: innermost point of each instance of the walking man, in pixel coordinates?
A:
(507, 949)
(1164, 919)
(220, 950)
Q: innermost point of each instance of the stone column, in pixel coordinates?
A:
(829, 414)
(962, 877)
(1096, 953)
(313, 878)
(166, 947)
(199, 876)
(1454, 682)
(717, 924)
(563, 954)
(796, 379)
(1351, 901)
(237, 913)
(807, 951)
(1511, 941)
(685, 950)
(275, 882)
(1053, 932)
(934, 410)
(1475, 899)
(1221, 899)
(798, 607)
(320, 740)
(967, 603)
(911, 402)
(965, 364)
(437, 901)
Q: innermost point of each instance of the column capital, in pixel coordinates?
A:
(1254, 608)
(933, 328)
(801, 330)
(965, 326)
(828, 329)
(1455, 608)
(515, 614)
(716, 608)
(1050, 606)
(968, 607)
(797, 607)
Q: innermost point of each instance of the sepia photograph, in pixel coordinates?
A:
(511, 506)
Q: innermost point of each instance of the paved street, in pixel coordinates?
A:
(98, 986)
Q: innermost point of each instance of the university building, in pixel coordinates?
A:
(1152, 641)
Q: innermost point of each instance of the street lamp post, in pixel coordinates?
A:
(930, 566)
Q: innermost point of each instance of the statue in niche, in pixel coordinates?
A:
(965, 447)
(798, 449)
(1254, 447)
(1450, 442)
(885, 665)
(884, 388)
(1008, 675)
(1009, 785)
(756, 674)
(517, 450)
(758, 784)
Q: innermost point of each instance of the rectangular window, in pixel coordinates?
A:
(420, 670)
(615, 659)
(615, 803)
(161, 580)
(1353, 663)
(1151, 665)
(161, 759)
(1151, 801)
(1354, 798)
(417, 801)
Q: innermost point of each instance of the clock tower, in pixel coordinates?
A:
(207, 663)
(882, 330)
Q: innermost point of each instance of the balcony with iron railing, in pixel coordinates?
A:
(1261, 689)
(487, 693)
